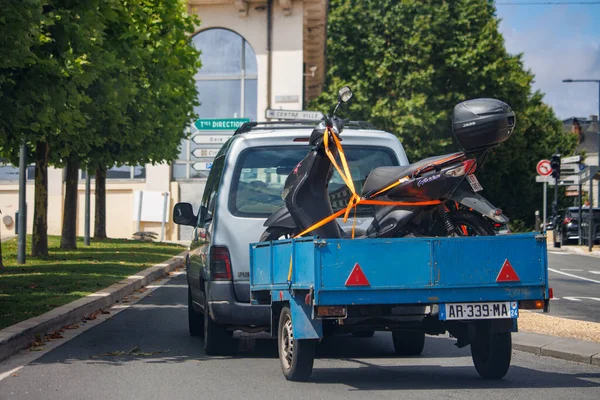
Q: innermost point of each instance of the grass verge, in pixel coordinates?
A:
(40, 285)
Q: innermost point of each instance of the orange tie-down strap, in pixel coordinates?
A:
(355, 199)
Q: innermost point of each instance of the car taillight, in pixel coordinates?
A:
(468, 166)
(220, 263)
(567, 220)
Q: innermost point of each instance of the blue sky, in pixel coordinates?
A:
(557, 42)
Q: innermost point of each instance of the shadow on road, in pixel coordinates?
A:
(375, 377)
(156, 328)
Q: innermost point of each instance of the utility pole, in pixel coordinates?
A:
(555, 164)
(22, 241)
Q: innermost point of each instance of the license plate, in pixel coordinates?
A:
(475, 185)
(493, 310)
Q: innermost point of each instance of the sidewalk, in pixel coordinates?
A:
(581, 351)
(22, 334)
(573, 249)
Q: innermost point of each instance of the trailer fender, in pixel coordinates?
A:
(304, 326)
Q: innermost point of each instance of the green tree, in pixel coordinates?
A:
(147, 96)
(409, 62)
(43, 86)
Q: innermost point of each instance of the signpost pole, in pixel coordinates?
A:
(555, 212)
(579, 221)
(591, 216)
(545, 211)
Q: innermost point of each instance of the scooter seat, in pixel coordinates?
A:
(381, 177)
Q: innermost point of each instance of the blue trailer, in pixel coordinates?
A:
(471, 287)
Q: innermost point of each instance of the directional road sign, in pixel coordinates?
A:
(220, 124)
(569, 168)
(543, 168)
(210, 139)
(572, 159)
(562, 181)
(205, 153)
(294, 114)
(202, 165)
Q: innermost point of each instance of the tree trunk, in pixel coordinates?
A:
(100, 208)
(39, 243)
(1, 264)
(68, 239)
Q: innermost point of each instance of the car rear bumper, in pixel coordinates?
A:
(225, 309)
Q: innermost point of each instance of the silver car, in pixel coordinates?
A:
(243, 188)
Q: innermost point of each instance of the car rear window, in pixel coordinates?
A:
(260, 175)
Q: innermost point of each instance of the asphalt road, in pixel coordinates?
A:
(576, 283)
(169, 364)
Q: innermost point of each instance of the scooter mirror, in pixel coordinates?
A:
(344, 94)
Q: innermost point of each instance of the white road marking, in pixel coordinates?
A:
(581, 297)
(571, 270)
(9, 373)
(595, 272)
(558, 252)
(573, 276)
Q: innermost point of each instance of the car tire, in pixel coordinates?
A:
(408, 342)
(218, 341)
(195, 319)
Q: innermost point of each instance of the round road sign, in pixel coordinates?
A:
(543, 168)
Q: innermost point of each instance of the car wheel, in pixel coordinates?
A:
(408, 342)
(195, 319)
(218, 341)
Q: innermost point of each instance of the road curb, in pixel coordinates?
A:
(568, 349)
(22, 334)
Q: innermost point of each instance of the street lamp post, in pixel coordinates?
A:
(598, 124)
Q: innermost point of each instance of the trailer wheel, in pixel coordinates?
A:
(491, 354)
(295, 356)
(408, 342)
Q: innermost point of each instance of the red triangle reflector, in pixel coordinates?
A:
(357, 277)
(507, 273)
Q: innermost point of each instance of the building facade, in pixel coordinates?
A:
(586, 130)
(256, 55)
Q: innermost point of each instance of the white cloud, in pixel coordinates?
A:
(556, 45)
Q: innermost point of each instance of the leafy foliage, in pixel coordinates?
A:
(409, 62)
(99, 82)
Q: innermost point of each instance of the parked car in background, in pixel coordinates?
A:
(568, 228)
